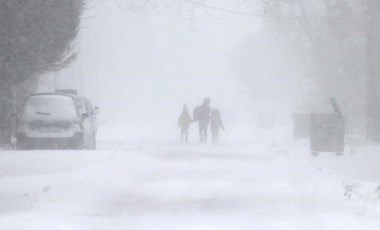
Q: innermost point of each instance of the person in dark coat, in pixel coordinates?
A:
(184, 121)
(202, 116)
(216, 124)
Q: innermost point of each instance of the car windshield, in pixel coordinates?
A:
(49, 107)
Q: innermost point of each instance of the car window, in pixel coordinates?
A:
(49, 107)
(89, 106)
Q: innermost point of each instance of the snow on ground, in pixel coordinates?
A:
(146, 185)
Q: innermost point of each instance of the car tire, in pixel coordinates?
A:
(20, 146)
(79, 145)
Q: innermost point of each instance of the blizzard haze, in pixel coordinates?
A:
(296, 82)
(142, 66)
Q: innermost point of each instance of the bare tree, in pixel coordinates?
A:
(35, 37)
(342, 53)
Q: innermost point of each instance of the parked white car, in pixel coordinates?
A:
(55, 121)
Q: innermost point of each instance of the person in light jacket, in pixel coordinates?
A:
(216, 124)
(184, 121)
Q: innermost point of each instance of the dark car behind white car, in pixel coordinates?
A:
(88, 118)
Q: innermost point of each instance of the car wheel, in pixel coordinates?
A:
(79, 145)
(314, 154)
(20, 146)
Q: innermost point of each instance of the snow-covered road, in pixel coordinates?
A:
(132, 185)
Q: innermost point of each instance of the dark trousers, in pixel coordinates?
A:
(203, 126)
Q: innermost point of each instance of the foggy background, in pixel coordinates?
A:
(263, 63)
(141, 66)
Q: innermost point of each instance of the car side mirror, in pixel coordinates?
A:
(96, 110)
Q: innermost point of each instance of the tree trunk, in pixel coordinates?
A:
(5, 113)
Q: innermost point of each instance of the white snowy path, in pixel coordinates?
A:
(202, 187)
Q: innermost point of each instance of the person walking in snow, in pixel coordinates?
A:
(184, 121)
(216, 124)
(202, 116)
